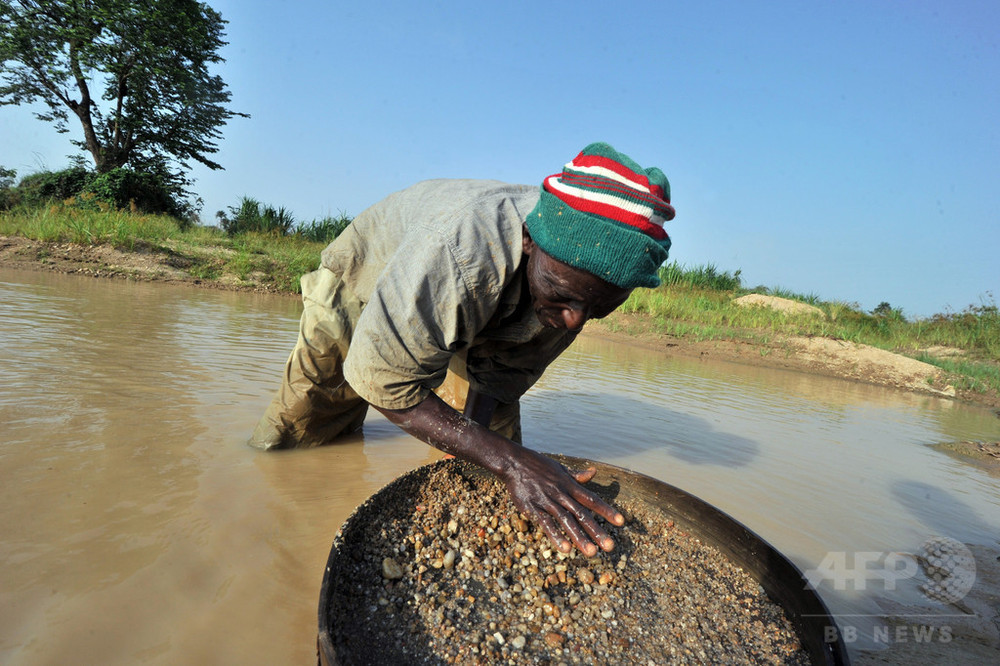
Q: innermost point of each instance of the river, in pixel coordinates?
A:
(139, 529)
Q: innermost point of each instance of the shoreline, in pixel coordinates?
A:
(819, 356)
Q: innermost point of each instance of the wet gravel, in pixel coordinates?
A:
(443, 569)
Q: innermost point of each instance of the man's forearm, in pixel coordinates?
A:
(434, 422)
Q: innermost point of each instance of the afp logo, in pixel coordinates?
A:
(947, 564)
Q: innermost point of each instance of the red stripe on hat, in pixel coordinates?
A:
(614, 187)
(621, 170)
(637, 220)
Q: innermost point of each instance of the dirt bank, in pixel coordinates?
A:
(143, 264)
(835, 358)
(822, 356)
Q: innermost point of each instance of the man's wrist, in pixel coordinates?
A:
(497, 455)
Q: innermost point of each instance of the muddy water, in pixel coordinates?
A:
(137, 527)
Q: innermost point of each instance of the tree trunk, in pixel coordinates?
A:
(101, 164)
(82, 110)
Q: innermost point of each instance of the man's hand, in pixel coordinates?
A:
(550, 494)
(539, 486)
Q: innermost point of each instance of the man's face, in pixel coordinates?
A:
(564, 296)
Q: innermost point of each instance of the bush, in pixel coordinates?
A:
(122, 189)
(886, 311)
(133, 190)
(7, 193)
(7, 177)
(251, 215)
(39, 188)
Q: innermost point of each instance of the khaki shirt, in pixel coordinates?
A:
(439, 269)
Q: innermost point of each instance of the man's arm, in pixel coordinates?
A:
(539, 486)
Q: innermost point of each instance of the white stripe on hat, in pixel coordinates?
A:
(618, 202)
(608, 173)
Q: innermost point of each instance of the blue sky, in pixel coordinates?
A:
(849, 150)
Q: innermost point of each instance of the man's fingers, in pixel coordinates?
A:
(554, 534)
(592, 501)
(599, 506)
(583, 499)
(572, 527)
(592, 527)
(558, 523)
(563, 508)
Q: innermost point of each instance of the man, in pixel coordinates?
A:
(490, 280)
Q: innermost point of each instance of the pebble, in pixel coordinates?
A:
(430, 575)
(391, 569)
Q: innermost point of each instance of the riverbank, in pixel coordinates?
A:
(818, 355)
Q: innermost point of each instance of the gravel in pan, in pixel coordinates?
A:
(443, 569)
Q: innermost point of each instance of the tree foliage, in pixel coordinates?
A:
(136, 74)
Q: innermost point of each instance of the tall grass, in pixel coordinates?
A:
(702, 277)
(326, 229)
(253, 216)
(73, 224)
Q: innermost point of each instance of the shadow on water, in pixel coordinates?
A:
(577, 423)
(589, 424)
(940, 510)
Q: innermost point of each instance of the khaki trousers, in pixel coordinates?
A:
(315, 404)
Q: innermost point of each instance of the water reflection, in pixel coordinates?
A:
(138, 528)
(634, 427)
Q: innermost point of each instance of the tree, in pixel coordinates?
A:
(134, 73)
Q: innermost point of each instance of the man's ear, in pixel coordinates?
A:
(527, 245)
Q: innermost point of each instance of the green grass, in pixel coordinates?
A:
(325, 230)
(69, 224)
(975, 375)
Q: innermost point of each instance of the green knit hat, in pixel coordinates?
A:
(604, 213)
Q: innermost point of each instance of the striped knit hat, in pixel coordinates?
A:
(604, 213)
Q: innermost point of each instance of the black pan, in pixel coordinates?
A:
(781, 579)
